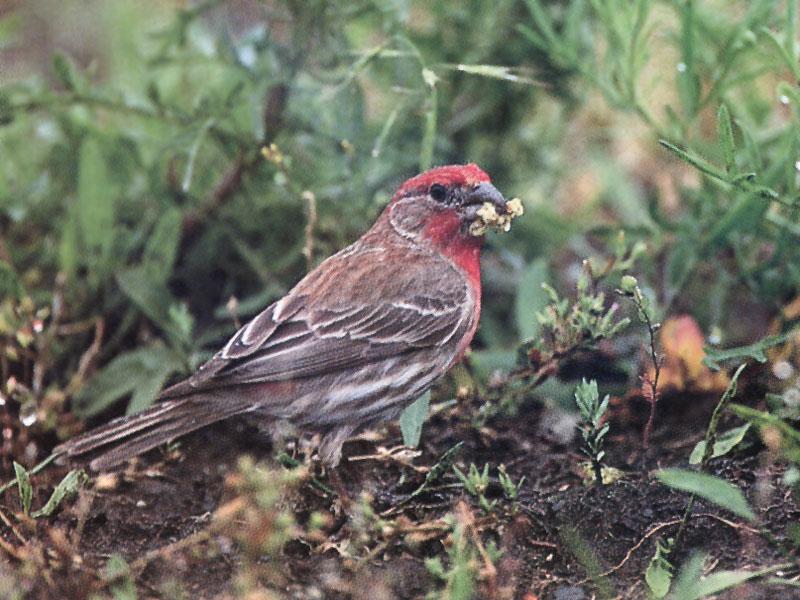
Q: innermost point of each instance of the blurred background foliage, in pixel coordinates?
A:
(140, 220)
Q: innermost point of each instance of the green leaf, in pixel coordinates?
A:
(377, 147)
(413, 418)
(95, 201)
(151, 297)
(67, 74)
(24, 487)
(688, 576)
(766, 419)
(725, 133)
(162, 245)
(693, 159)
(531, 298)
(441, 467)
(492, 72)
(659, 572)
(713, 489)
(117, 573)
(147, 389)
(725, 443)
(687, 79)
(757, 351)
(136, 372)
(543, 21)
(722, 580)
(691, 584)
(68, 486)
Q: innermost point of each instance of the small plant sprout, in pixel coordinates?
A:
(592, 428)
(460, 575)
(510, 489)
(629, 287)
(476, 482)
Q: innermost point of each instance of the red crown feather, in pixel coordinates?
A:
(448, 176)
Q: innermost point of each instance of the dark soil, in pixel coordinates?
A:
(561, 539)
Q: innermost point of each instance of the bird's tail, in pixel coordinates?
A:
(126, 437)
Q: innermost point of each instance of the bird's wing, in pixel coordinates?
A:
(355, 308)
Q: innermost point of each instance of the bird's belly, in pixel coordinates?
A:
(361, 396)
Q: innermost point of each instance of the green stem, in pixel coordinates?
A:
(33, 471)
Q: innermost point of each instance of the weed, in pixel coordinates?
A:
(593, 428)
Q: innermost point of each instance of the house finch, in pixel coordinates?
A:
(357, 339)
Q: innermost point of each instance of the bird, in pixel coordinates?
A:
(356, 340)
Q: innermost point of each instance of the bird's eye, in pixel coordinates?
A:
(438, 192)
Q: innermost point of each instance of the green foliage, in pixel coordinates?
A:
(68, 486)
(459, 575)
(119, 578)
(593, 429)
(692, 584)
(510, 489)
(711, 488)
(756, 351)
(438, 470)
(24, 487)
(610, 48)
(149, 188)
(476, 482)
(412, 419)
(65, 488)
(725, 442)
(658, 574)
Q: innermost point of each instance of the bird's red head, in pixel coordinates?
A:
(463, 176)
(437, 207)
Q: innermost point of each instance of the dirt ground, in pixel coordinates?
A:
(562, 539)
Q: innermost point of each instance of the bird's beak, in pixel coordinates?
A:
(480, 195)
(486, 192)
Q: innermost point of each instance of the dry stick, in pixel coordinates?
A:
(11, 550)
(140, 563)
(13, 529)
(311, 221)
(658, 528)
(89, 357)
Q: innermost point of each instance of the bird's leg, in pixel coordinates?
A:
(343, 501)
(330, 453)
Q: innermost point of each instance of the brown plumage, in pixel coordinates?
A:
(355, 341)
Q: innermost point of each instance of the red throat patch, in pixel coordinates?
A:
(464, 250)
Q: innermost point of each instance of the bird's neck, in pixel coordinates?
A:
(445, 234)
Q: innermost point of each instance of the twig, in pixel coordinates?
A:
(658, 528)
(140, 563)
(227, 187)
(652, 394)
(311, 221)
(13, 529)
(89, 357)
(633, 549)
(11, 550)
